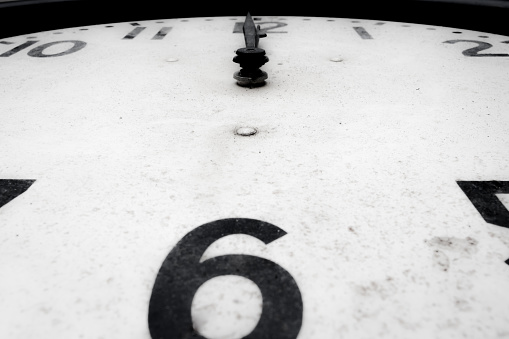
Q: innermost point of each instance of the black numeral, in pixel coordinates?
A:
(482, 194)
(11, 189)
(363, 33)
(134, 33)
(265, 27)
(38, 52)
(474, 51)
(138, 29)
(18, 48)
(181, 274)
(162, 33)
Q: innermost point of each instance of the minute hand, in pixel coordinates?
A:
(250, 58)
(251, 33)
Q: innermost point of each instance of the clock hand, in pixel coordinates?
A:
(251, 58)
(251, 33)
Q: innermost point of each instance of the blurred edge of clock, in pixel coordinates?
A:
(29, 16)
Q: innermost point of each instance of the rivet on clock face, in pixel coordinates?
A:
(172, 59)
(336, 59)
(246, 131)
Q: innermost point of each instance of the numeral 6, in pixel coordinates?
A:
(181, 274)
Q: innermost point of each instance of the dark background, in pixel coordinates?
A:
(30, 16)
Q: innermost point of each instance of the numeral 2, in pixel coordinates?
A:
(474, 51)
(181, 274)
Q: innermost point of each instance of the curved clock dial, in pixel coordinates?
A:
(363, 190)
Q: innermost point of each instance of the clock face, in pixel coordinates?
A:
(361, 192)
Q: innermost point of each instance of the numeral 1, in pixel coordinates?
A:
(18, 48)
(363, 33)
(134, 33)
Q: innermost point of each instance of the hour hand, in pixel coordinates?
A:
(251, 58)
(251, 33)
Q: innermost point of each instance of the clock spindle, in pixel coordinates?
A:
(251, 58)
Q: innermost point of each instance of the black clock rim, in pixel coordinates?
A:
(31, 16)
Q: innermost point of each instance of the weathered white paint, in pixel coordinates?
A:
(359, 146)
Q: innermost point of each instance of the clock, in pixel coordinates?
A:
(360, 191)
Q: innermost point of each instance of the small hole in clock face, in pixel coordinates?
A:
(457, 32)
(83, 29)
(109, 26)
(246, 131)
(483, 36)
(331, 20)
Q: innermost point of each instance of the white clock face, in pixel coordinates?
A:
(361, 193)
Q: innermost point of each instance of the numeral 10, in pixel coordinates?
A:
(38, 52)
